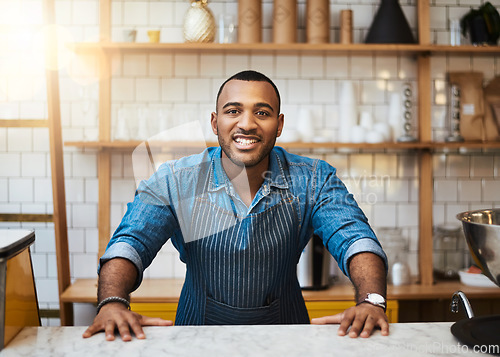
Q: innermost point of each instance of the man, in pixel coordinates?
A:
(240, 215)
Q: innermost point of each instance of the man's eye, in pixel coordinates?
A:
(262, 113)
(232, 111)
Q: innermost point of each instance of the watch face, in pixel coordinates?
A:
(376, 298)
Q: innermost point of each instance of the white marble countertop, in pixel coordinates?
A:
(405, 339)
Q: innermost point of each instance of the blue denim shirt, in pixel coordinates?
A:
(162, 207)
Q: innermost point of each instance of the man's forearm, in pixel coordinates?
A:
(367, 272)
(116, 278)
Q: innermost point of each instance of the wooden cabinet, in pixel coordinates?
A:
(424, 147)
(314, 308)
(166, 310)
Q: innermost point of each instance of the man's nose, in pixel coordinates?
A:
(247, 121)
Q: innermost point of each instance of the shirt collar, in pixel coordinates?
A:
(218, 178)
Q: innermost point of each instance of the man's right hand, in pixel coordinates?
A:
(115, 316)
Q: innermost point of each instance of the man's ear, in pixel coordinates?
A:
(213, 122)
(281, 123)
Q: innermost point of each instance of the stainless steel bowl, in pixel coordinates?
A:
(482, 232)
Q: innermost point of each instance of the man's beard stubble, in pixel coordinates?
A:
(263, 153)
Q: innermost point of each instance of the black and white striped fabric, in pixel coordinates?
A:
(242, 270)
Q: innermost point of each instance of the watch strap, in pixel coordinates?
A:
(383, 304)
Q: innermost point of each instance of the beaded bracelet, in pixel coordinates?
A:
(113, 299)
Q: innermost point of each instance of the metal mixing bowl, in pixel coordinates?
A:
(482, 232)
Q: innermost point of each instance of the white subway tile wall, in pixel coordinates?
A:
(185, 85)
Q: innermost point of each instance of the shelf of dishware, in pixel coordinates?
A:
(176, 145)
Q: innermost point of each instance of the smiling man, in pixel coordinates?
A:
(247, 123)
(240, 216)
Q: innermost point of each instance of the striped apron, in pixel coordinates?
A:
(242, 270)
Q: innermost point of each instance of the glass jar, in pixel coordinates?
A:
(395, 246)
(448, 254)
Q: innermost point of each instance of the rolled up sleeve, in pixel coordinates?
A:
(364, 245)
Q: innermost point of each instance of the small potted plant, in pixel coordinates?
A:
(482, 25)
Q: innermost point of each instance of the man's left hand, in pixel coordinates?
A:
(362, 319)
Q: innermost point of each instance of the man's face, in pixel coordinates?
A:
(247, 121)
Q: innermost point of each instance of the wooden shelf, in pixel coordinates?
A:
(151, 290)
(24, 123)
(175, 145)
(356, 49)
(169, 290)
(270, 48)
(439, 290)
(466, 145)
(465, 50)
(130, 145)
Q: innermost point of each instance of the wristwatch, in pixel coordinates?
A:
(374, 299)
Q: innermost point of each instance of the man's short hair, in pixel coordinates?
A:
(250, 76)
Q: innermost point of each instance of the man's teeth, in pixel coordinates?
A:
(245, 141)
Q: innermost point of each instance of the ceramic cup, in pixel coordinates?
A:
(384, 129)
(154, 36)
(358, 134)
(129, 35)
(373, 137)
(366, 120)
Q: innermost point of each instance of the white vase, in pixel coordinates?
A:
(122, 126)
(358, 134)
(162, 118)
(366, 120)
(143, 128)
(348, 112)
(199, 23)
(305, 125)
(395, 119)
(384, 129)
(374, 137)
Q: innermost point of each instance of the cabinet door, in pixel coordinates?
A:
(165, 310)
(325, 308)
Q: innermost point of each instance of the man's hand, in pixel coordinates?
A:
(367, 273)
(362, 319)
(116, 316)
(116, 278)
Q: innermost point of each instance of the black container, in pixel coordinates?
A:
(389, 25)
